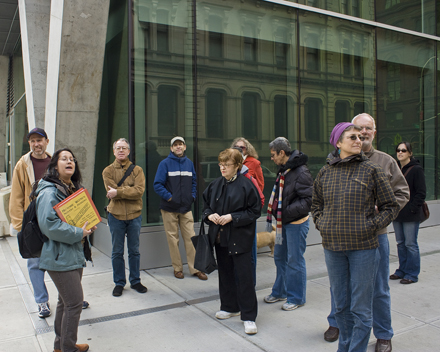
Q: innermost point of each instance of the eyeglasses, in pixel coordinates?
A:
(72, 160)
(121, 148)
(242, 147)
(354, 137)
(401, 150)
(225, 165)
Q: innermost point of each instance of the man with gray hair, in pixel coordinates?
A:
(125, 185)
(290, 204)
(381, 301)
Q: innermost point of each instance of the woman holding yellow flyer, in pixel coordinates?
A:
(63, 255)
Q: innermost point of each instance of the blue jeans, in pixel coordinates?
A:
(407, 250)
(382, 328)
(352, 277)
(291, 279)
(118, 230)
(37, 279)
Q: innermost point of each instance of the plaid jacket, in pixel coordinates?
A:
(344, 196)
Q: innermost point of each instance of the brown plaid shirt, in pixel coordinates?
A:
(344, 196)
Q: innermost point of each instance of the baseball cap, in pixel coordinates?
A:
(177, 139)
(37, 130)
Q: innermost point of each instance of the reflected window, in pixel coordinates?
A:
(215, 107)
(167, 111)
(359, 108)
(312, 56)
(281, 47)
(250, 44)
(393, 80)
(346, 58)
(355, 8)
(146, 29)
(312, 115)
(215, 37)
(344, 7)
(249, 115)
(391, 3)
(358, 60)
(342, 111)
(282, 106)
(250, 49)
(162, 31)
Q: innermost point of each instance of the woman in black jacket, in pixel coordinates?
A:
(406, 225)
(232, 206)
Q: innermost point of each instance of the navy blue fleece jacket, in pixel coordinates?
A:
(176, 184)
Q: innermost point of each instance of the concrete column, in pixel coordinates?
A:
(34, 28)
(4, 63)
(81, 58)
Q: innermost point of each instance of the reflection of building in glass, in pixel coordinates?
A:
(262, 70)
(214, 70)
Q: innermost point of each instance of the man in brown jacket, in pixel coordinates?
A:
(124, 216)
(30, 168)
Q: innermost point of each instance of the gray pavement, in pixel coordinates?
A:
(178, 315)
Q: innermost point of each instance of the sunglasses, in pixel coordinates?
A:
(241, 147)
(354, 137)
(401, 150)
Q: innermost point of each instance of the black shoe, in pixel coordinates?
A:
(139, 288)
(117, 291)
(383, 346)
(85, 304)
(332, 334)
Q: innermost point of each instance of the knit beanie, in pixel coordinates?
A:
(337, 131)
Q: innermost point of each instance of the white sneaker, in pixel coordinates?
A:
(291, 306)
(43, 310)
(250, 327)
(273, 299)
(221, 314)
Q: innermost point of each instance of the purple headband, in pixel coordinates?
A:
(337, 131)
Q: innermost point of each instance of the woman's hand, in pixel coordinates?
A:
(214, 218)
(224, 219)
(87, 232)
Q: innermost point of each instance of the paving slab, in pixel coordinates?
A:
(178, 315)
(181, 329)
(16, 322)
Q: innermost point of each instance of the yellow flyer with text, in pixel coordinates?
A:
(77, 209)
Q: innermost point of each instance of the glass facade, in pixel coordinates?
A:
(212, 71)
(19, 113)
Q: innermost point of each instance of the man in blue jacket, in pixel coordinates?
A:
(176, 184)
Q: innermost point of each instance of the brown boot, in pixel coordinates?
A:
(81, 348)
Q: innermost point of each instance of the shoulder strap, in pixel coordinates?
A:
(127, 173)
(406, 172)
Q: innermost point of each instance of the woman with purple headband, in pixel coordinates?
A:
(352, 198)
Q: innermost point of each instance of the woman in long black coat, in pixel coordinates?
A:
(406, 225)
(232, 206)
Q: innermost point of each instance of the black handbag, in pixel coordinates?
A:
(425, 211)
(204, 259)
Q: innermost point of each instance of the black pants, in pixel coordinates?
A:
(236, 285)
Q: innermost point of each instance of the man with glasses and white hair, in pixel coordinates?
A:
(381, 301)
(125, 185)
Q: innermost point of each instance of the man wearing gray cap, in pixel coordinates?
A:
(176, 184)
